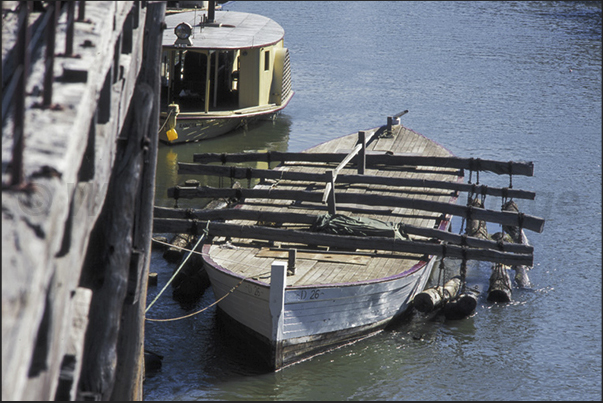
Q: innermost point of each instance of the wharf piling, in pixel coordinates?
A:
(80, 115)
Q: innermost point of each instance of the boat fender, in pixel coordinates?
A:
(173, 111)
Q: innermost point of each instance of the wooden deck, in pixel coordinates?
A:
(324, 266)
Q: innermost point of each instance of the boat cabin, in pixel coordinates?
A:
(223, 62)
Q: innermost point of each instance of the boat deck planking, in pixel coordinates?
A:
(315, 268)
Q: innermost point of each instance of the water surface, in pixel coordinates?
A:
(497, 80)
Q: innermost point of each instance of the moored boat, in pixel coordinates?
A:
(330, 247)
(221, 70)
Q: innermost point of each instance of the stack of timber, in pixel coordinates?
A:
(332, 245)
(79, 141)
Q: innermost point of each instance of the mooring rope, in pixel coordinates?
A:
(191, 251)
(198, 312)
(166, 120)
(177, 271)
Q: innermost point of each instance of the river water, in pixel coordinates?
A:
(497, 80)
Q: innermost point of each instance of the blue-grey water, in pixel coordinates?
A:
(498, 80)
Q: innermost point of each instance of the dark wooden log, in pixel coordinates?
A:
(513, 230)
(243, 173)
(159, 243)
(433, 298)
(372, 159)
(314, 238)
(502, 217)
(521, 276)
(500, 284)
(476, 228)
(180, 242)
(299, 218)
(192, 280)
(461, 307)
(521, 271)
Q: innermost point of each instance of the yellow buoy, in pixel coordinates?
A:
(173, 111)
(172, 134)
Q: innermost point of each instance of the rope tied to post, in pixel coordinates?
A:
(249, 174)
(463, 269)
(442, 267)
(510, 174)
(204, 309)
(201, 238)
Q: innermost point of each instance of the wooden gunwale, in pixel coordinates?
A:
(420, 263)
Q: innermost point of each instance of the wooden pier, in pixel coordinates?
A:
(80, 114)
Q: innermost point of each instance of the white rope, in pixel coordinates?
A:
(176, 273)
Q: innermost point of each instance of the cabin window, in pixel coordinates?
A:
(267, 60)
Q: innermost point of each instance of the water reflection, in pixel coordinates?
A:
(262, 136)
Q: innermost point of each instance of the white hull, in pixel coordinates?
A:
(192, 127)
(318, 318)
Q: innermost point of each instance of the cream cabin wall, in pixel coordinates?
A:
(255, 81)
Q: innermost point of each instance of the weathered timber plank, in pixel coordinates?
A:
(313, 238)
(474, 164)
(300, 218)
(108, 257)
(501, 217)
(130, 371)
(242, 173)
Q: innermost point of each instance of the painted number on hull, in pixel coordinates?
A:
(253, 290)
(309, 294)
(187, 125)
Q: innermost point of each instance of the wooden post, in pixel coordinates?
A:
(291, 262)
(175, 253)
(207, 80)
(362, 153)
(331, 194)
(72, 361)
(130, 368)
(389, 125)
(278, 278)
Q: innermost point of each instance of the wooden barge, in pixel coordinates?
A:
(332, 245)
